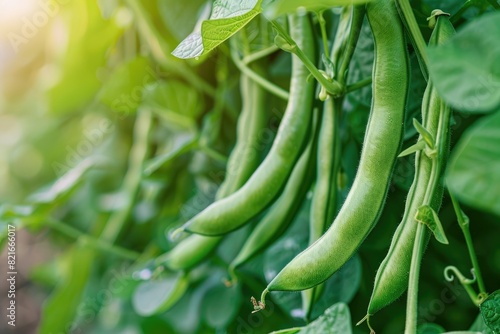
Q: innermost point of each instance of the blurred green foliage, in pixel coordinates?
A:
(108, 142)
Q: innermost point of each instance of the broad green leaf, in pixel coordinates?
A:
(462, 332)
(466, 71)
(227, 18)
(336, 319)
(122, 91)
(221, 305)
(90, 37)
(156, 296)
(474, 168)
(430, 328)
(490, 310)
(61, 307)
(426, 215)
(280, 7)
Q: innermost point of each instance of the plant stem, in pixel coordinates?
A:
(412, 301)
(416, 260)
(132, 179)
(213, 154)
(357, 16)
(463, 222)
(324, 35)
(441, 148)
(416, 37)
(332, 87)
(261, 81)
(358, 85)
(259, 54)
(465, 282)
(96, 243)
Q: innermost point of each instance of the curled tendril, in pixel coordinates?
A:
(456, 273)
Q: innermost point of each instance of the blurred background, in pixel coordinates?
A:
(107, 142)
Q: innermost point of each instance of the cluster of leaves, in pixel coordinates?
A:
(159, 131)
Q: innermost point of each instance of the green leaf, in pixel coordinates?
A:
(490, 310)
(466, 71)
(420, 145)
(61, 308)
(280, 7)
(480, 326)
(426, 215)
(153, 297)
(336, 319)
(227, 18)
(221, 305)
(430, 328)
(475, 165)
(122, 91)
(426, 135)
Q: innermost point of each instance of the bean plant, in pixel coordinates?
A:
(191, 166)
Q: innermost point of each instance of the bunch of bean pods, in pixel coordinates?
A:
(305, 156)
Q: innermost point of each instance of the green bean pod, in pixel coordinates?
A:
(392, 275)
(267, 181)
(245, 156)
(188, 253)
(382, 142)
(282, 212)
(243, 161)
(324, 200)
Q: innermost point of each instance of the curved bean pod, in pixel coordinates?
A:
(282, 212)
(392, 275)
(261, 189)
(382, 141)
(243, 161)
